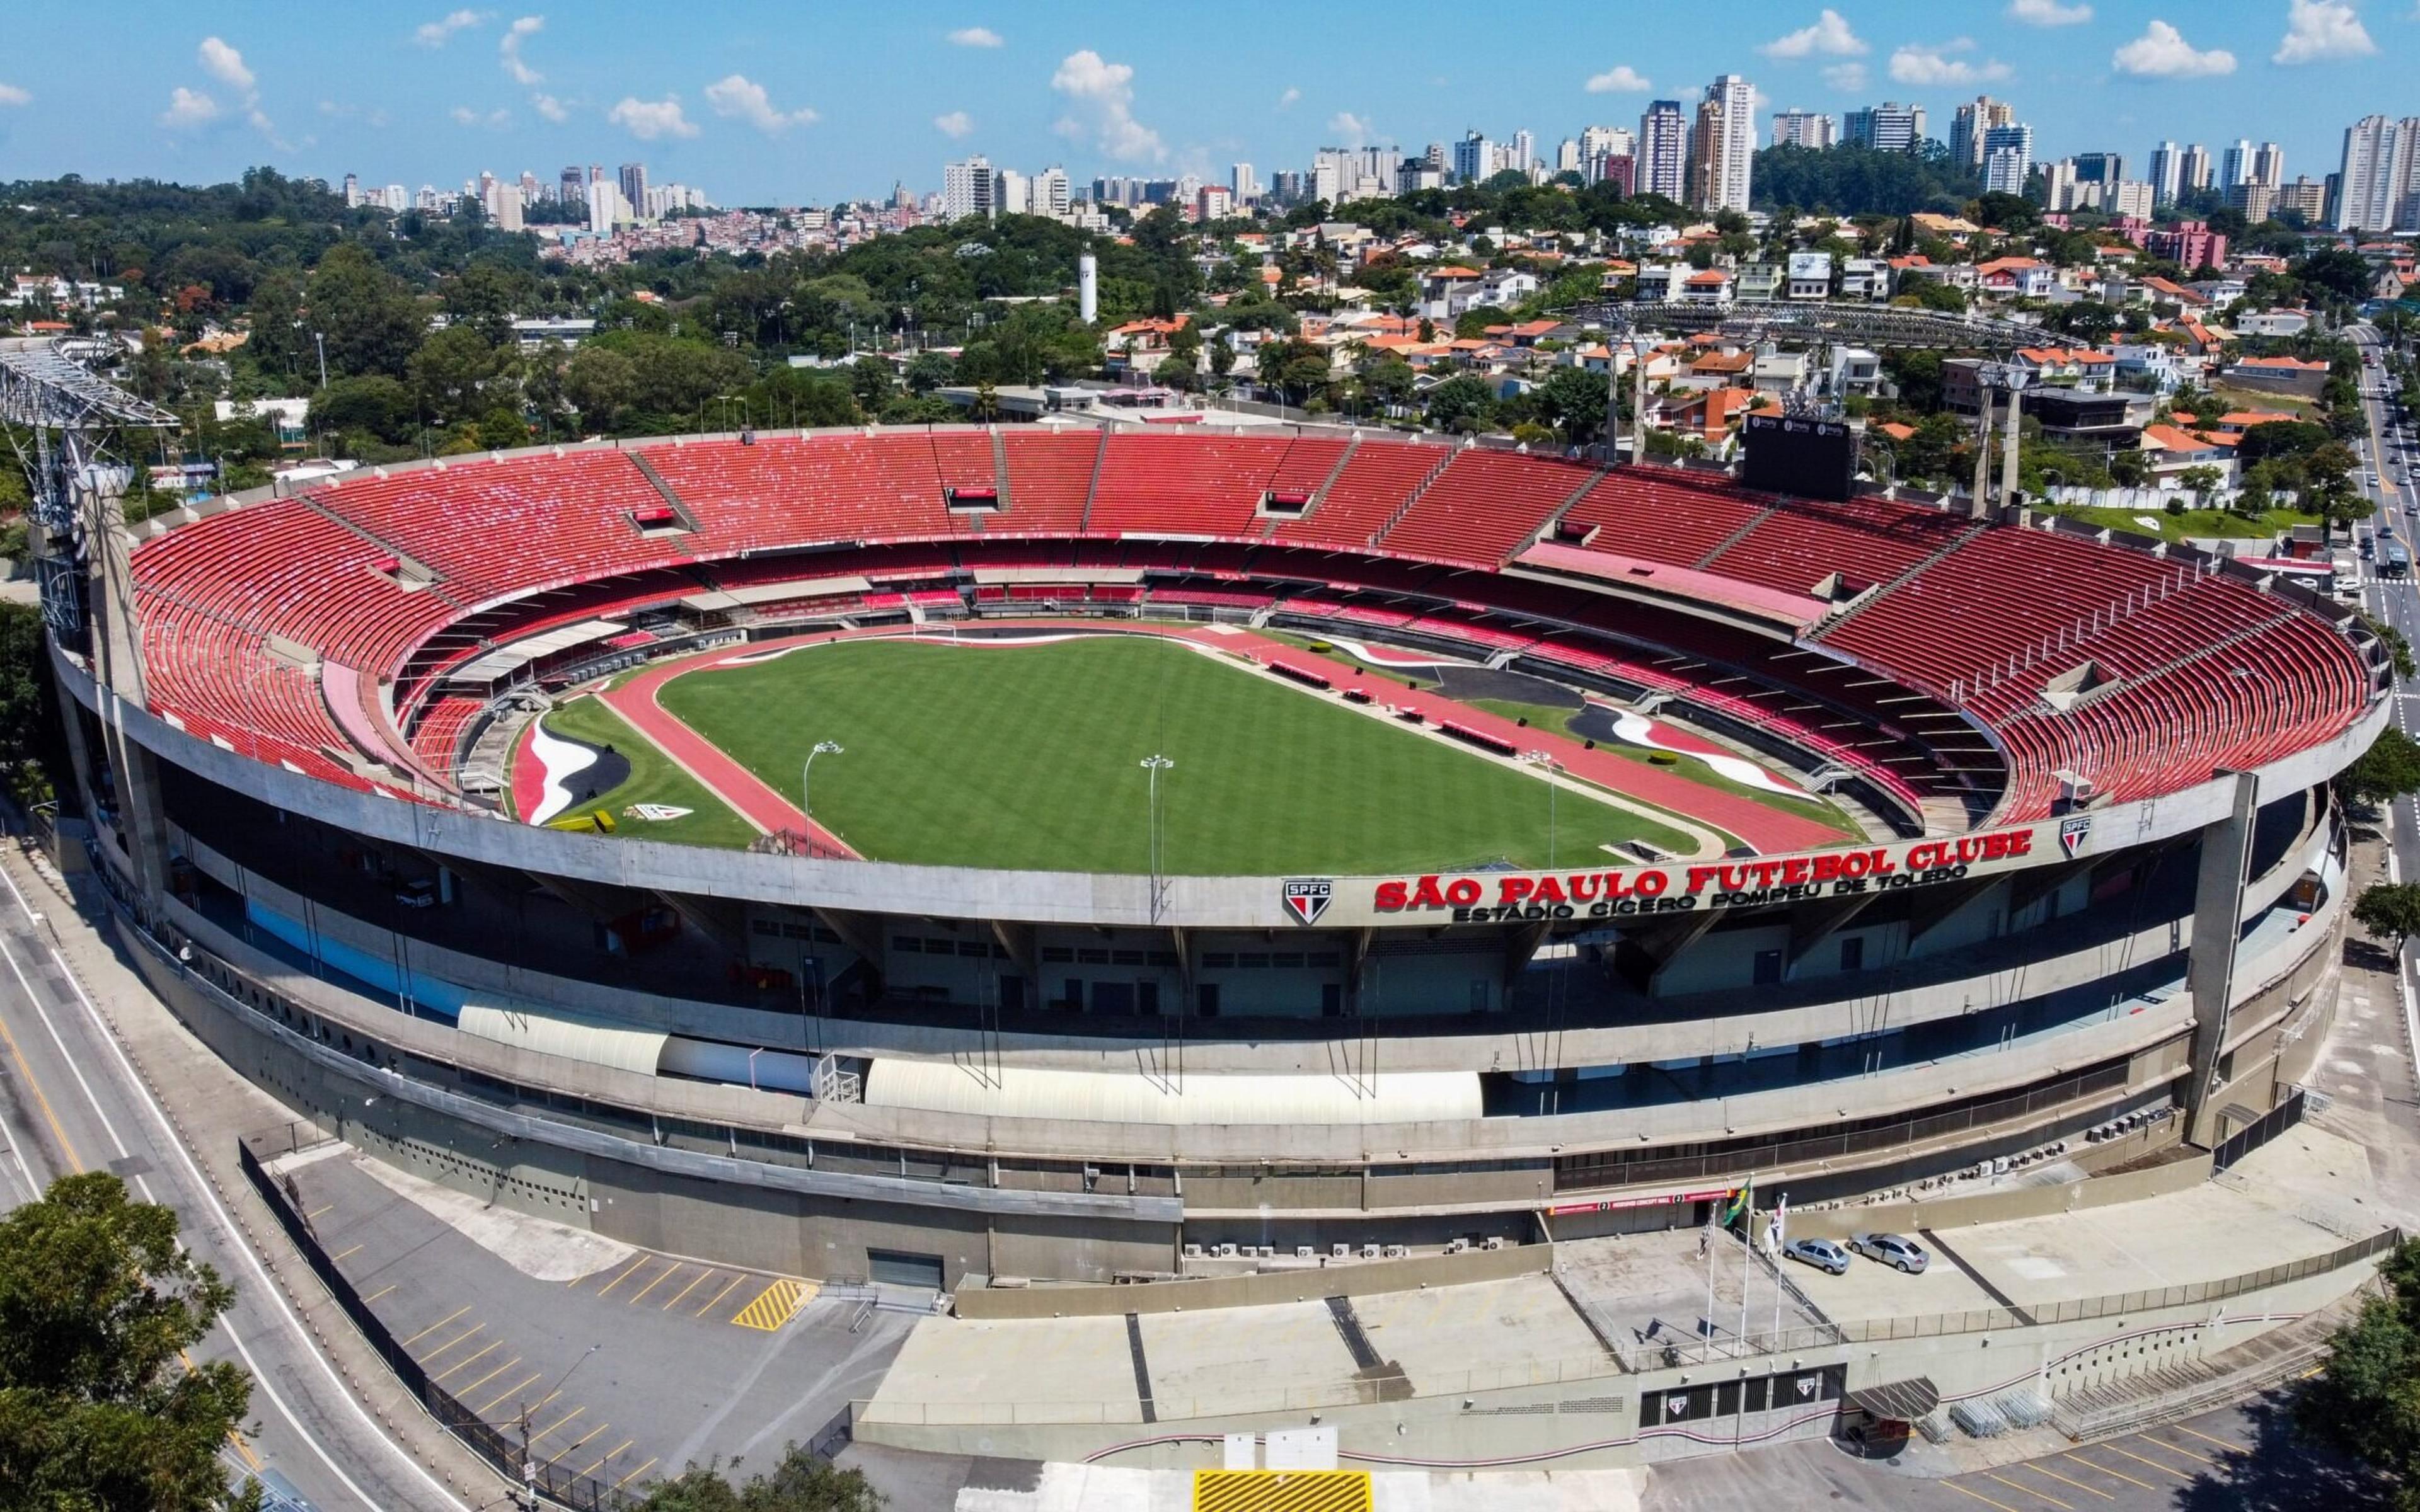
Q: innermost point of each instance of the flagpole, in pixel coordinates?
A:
(1706, 1243)
(1748, 1254)
(1775, 1239)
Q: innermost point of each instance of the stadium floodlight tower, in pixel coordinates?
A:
(807, 770)
(67, 425)
(2010, 379)
(1157, 830)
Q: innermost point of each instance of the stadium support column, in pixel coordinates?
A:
(118, 676)
(2008, 438)
(2210, 965)
(1982, 450)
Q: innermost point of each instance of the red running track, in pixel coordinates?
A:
(1769, 830)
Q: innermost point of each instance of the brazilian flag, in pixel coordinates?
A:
(1734, 1204)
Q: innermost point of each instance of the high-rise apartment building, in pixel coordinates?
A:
(1011, 193)
(1724, 151)
(1889, 127)
(2166, 162)
(2376, 190)
(1243, 183)
(1663, 165)
(1796, 128)
(1050, 194)
(572, 188)
(969, 188)
(1969, 122)
(2007, 158)
(1567, 155)
(1608, 141)
(1474, 159)
(2100, 167)
(2193, 171)
(2235, 164)
(632, 181)
(2306, 196)
(2268, 165)
(1524, 153)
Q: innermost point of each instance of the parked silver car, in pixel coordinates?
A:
(1823, 1254)
(1895, 1250)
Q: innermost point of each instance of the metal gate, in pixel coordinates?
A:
(2258, 1133)
(895, 1267)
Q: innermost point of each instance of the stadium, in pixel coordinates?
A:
(1111, 853)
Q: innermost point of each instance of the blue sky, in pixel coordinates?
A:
(804, 103)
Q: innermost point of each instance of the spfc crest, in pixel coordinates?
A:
(2074, 833)
(1306, 897)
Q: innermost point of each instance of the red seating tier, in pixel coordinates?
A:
(1484, 506)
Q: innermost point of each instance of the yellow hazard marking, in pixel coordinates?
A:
(1281, 1491)
(775, 1305)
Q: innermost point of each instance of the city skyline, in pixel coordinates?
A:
(756, 109)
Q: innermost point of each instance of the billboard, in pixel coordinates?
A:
(1800, 455)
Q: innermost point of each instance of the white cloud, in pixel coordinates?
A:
(436, 33)
(955, 124)
(1621, 78)
(1847, 77)
(552, 108)
(1829, 36)
(465, 115)
(1107, 91)
(188, 109)
(11, 95)
(975, 36)
(2322, 30)
(1286, 101)
(1350, 128)
(744, 97)
(2048, 13)
(2161, 53)
(509, 47)
(1931, 65)
(225, 65)
(649, 119)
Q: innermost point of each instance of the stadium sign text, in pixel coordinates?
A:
(1478, 898)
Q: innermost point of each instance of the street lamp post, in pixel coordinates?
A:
(806, 770)
(1545, 762)
(1154, 764)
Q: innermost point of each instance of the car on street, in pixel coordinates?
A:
(1897, 1251)
(1823, 1254)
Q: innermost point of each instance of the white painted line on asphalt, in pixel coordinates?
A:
(233, 1230)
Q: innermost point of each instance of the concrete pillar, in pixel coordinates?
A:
(2209, 965)
(1978, 504)
(2009, 435)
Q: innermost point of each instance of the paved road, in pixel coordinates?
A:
(70, 1100)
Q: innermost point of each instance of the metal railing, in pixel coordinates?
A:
(584, 1493)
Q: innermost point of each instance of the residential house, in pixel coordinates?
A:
(1810, 276)
(1865, 278)
(2285, 374)
(1855, 370)
(1757, 283)
(2272, 323)
(2019, 278)
(1713, 286)
(1780, 374)
(2171, 450)
(1138, 346)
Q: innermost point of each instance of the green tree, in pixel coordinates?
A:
(927, 371)
(2389, 769)
(380, 407)
(370, 320)
(2389, 911)
(1571, 399)
(599, 384)
(451, 373)
(800, 1482)
(1461, 404)
(97, 1411)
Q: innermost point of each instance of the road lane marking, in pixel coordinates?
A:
(2230, 1448)
(635, 1474)
(607, 1455)
(2164, 1470)
(719, 1296)
(574, 1445)
(376, 1295)
(2106, 1471)
(2043, 1469)
(492, 1402)
(347, 1256)
(686, 1289)
(493, 1374)
(431, 1357)
(635, 1267)
(2028, 1490)
(464, 1365)
(1978, 1496)
(653, 1285)
(435, 1326)
(773, 1306)
(558, 1422)
(2175, 1449)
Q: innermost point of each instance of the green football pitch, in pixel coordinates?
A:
(1031, 757)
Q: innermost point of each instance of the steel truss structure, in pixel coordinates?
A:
(63, 423)
(1856, 325)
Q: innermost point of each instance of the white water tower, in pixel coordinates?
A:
(1088, 288)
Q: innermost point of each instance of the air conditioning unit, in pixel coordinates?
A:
(1368, 1252)
(1492, 1242)
(1193, 1250)
(1226, 1252)
(1269, 1252)
(1338, 1252)
(1457, 1245)
(1399, 1251)
(1304, 1252)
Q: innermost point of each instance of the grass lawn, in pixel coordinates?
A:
(1030, 758)
(654, 778)
(2197, 522)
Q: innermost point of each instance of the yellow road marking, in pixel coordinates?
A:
(2028, 1490)
(325, 1207)
(243, 1448)
(2106, 1471)
(773, 1306)
(719, 1296)
(652, 1285)
(1978, 1496)
(376, 1295)
(686, 1289)
(493, 1374)
(607, 1455)
(557, 1422)
(435, 1326)
(2042, 1470)
(524, 1384)
(2175, 1449)
(67, 1145)
(635, 1267)
(634, 1475)
(493, 1345)
(573, 1447)
(2230, 1448)
(347, 1256)
(532, 1410)
(2164, 1470)
(431, 1357)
